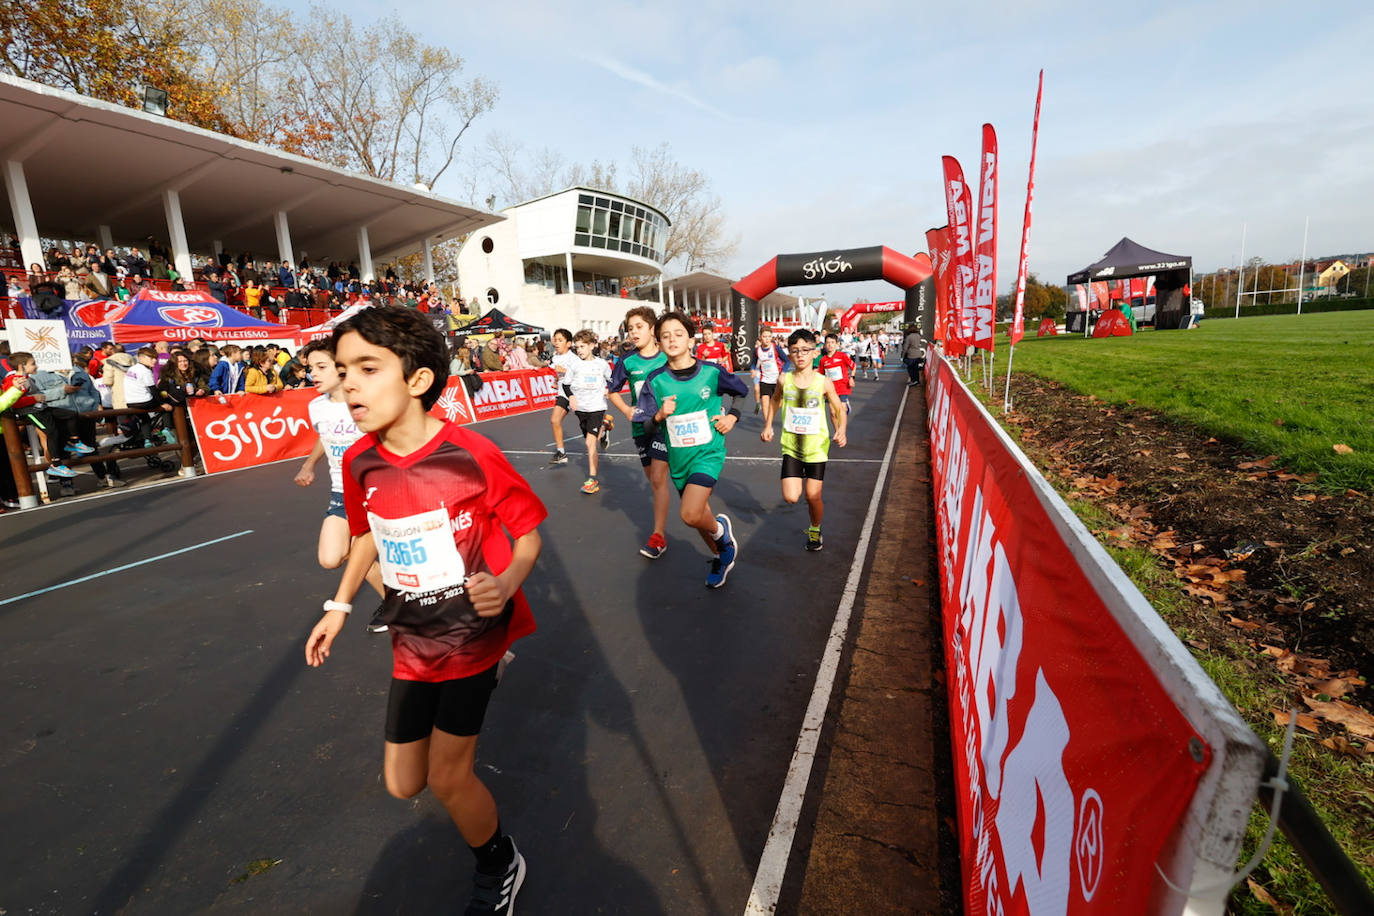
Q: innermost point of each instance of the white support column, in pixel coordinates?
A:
(104, 238)
(567, 255)
(21, 207)
(364, 255)
(696, 295)
(672, 300)
(660, 287)
(429, 263)
(283, 228)
(176, 234)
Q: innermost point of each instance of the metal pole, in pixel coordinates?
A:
(1240, 285)
(1302, 268)
(1006, 394)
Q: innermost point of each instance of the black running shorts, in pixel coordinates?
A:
(590, 421)
(651, 448)
(792, 466)
(415, 708)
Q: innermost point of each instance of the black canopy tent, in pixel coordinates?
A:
(498, 322)
(1173, 274)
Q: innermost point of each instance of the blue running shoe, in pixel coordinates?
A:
(79, 448)
(724, 561)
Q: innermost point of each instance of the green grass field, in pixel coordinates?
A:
(1286, 385)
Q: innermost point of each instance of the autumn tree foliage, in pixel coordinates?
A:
(108, 50)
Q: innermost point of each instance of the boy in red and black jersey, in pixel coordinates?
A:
(428, 501)
(838, 367)
(711, 350)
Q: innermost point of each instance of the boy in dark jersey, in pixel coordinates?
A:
(683, 397)
(428, 500)
(836, 365)
(653, 450)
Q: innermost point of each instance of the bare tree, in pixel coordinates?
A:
(697, 233)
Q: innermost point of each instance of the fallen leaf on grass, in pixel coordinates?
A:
(1336, 687)
(1265, 897)
(1354, 494)
(1339, 743)
(1212, 595)
(1246, 625)
(1340, 448)
(1144, 452)
(1272, 544)
(1265, 462)
(1305, 722)
(1306, 498)
(1164, 540)
(1185, 455)
(1355, 719)
(1211, 441)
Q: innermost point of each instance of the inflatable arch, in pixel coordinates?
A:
(849, 321)
(913, 275)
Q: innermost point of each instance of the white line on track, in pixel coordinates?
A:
(634, 455)
(161, 556)
(763, 897)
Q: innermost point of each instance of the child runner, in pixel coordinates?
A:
(861, 354)
(838, 367)
(587, 377)
(768, 364)
(875, 354)
(653, 452)
(563, 357)
(712, 350)
(684, 397)
(429, 500)
(337, 432)
(802, 397)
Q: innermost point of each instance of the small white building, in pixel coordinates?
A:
(558, 261)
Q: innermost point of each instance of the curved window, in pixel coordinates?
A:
(620, 226)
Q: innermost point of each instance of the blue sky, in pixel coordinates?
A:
(822, 124)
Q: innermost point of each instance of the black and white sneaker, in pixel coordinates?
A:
(495, 894)
(559, 457)
(377, 624)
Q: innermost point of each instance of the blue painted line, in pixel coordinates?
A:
(162, 556)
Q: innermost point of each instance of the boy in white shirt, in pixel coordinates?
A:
(587, 377)
(332, 423)
(563, 358)
(140, 391)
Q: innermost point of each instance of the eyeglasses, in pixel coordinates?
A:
(798, 351)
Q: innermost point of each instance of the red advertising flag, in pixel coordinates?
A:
(937, 240)
(1081, 292)
(1018, 320)
(244, 430)
(985, 248)
(1073, 767)
(959, 205)
(1047, 328)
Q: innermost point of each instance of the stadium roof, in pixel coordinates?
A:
(89, 163)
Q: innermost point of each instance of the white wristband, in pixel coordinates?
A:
(332, 605)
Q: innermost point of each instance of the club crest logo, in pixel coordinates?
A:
(193, 315)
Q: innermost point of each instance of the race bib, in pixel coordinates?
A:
(417, 553)
(803, 420)
(834, 373)
(689, 429)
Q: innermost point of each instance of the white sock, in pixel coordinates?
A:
(720, 531)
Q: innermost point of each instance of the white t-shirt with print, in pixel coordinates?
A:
(588, 378)
(138, 384)
(334, 425)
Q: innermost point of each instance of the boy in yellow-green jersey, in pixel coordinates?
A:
(801, 397)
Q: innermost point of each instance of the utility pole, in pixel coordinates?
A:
(1302, 268)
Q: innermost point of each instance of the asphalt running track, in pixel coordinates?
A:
(166, 749)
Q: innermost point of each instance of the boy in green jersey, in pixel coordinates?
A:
(653, 450)
(801, 396)
(683, 397)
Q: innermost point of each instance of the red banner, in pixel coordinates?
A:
(1112, 324)
(244, 430)
(985, 251)
(1047, 328)
(1018, 319)
(959, 204)
(937, 240)
(506, 393)
(1072, 766)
